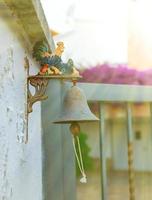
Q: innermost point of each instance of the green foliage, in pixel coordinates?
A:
(87, 160)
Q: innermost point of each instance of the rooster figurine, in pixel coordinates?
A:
(51, 63)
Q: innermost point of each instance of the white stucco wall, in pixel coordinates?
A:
(20, 164)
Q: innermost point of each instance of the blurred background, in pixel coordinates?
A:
(103, 31)
(110, 41)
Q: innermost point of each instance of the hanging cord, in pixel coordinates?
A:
(79, 161)
(80, 153)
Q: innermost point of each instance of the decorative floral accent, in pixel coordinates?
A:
(116, 74)
(51, 63)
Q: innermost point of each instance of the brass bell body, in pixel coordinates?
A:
(75, 108)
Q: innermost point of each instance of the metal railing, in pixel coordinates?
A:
(127, 94)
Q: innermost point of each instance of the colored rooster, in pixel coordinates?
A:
(51, 63)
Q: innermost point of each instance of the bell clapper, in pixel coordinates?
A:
(74, 82)
(75, 130)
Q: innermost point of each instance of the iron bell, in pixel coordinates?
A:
(75, 108)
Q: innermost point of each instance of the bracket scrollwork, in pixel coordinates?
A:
(40, 85)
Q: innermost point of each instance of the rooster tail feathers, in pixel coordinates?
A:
(39, 48)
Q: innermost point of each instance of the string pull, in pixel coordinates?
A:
(79, 160)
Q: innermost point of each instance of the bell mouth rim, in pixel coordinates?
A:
(74, 121)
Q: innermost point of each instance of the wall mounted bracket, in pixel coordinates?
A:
(40, 84)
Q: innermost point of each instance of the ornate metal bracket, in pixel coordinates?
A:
(40, 85)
